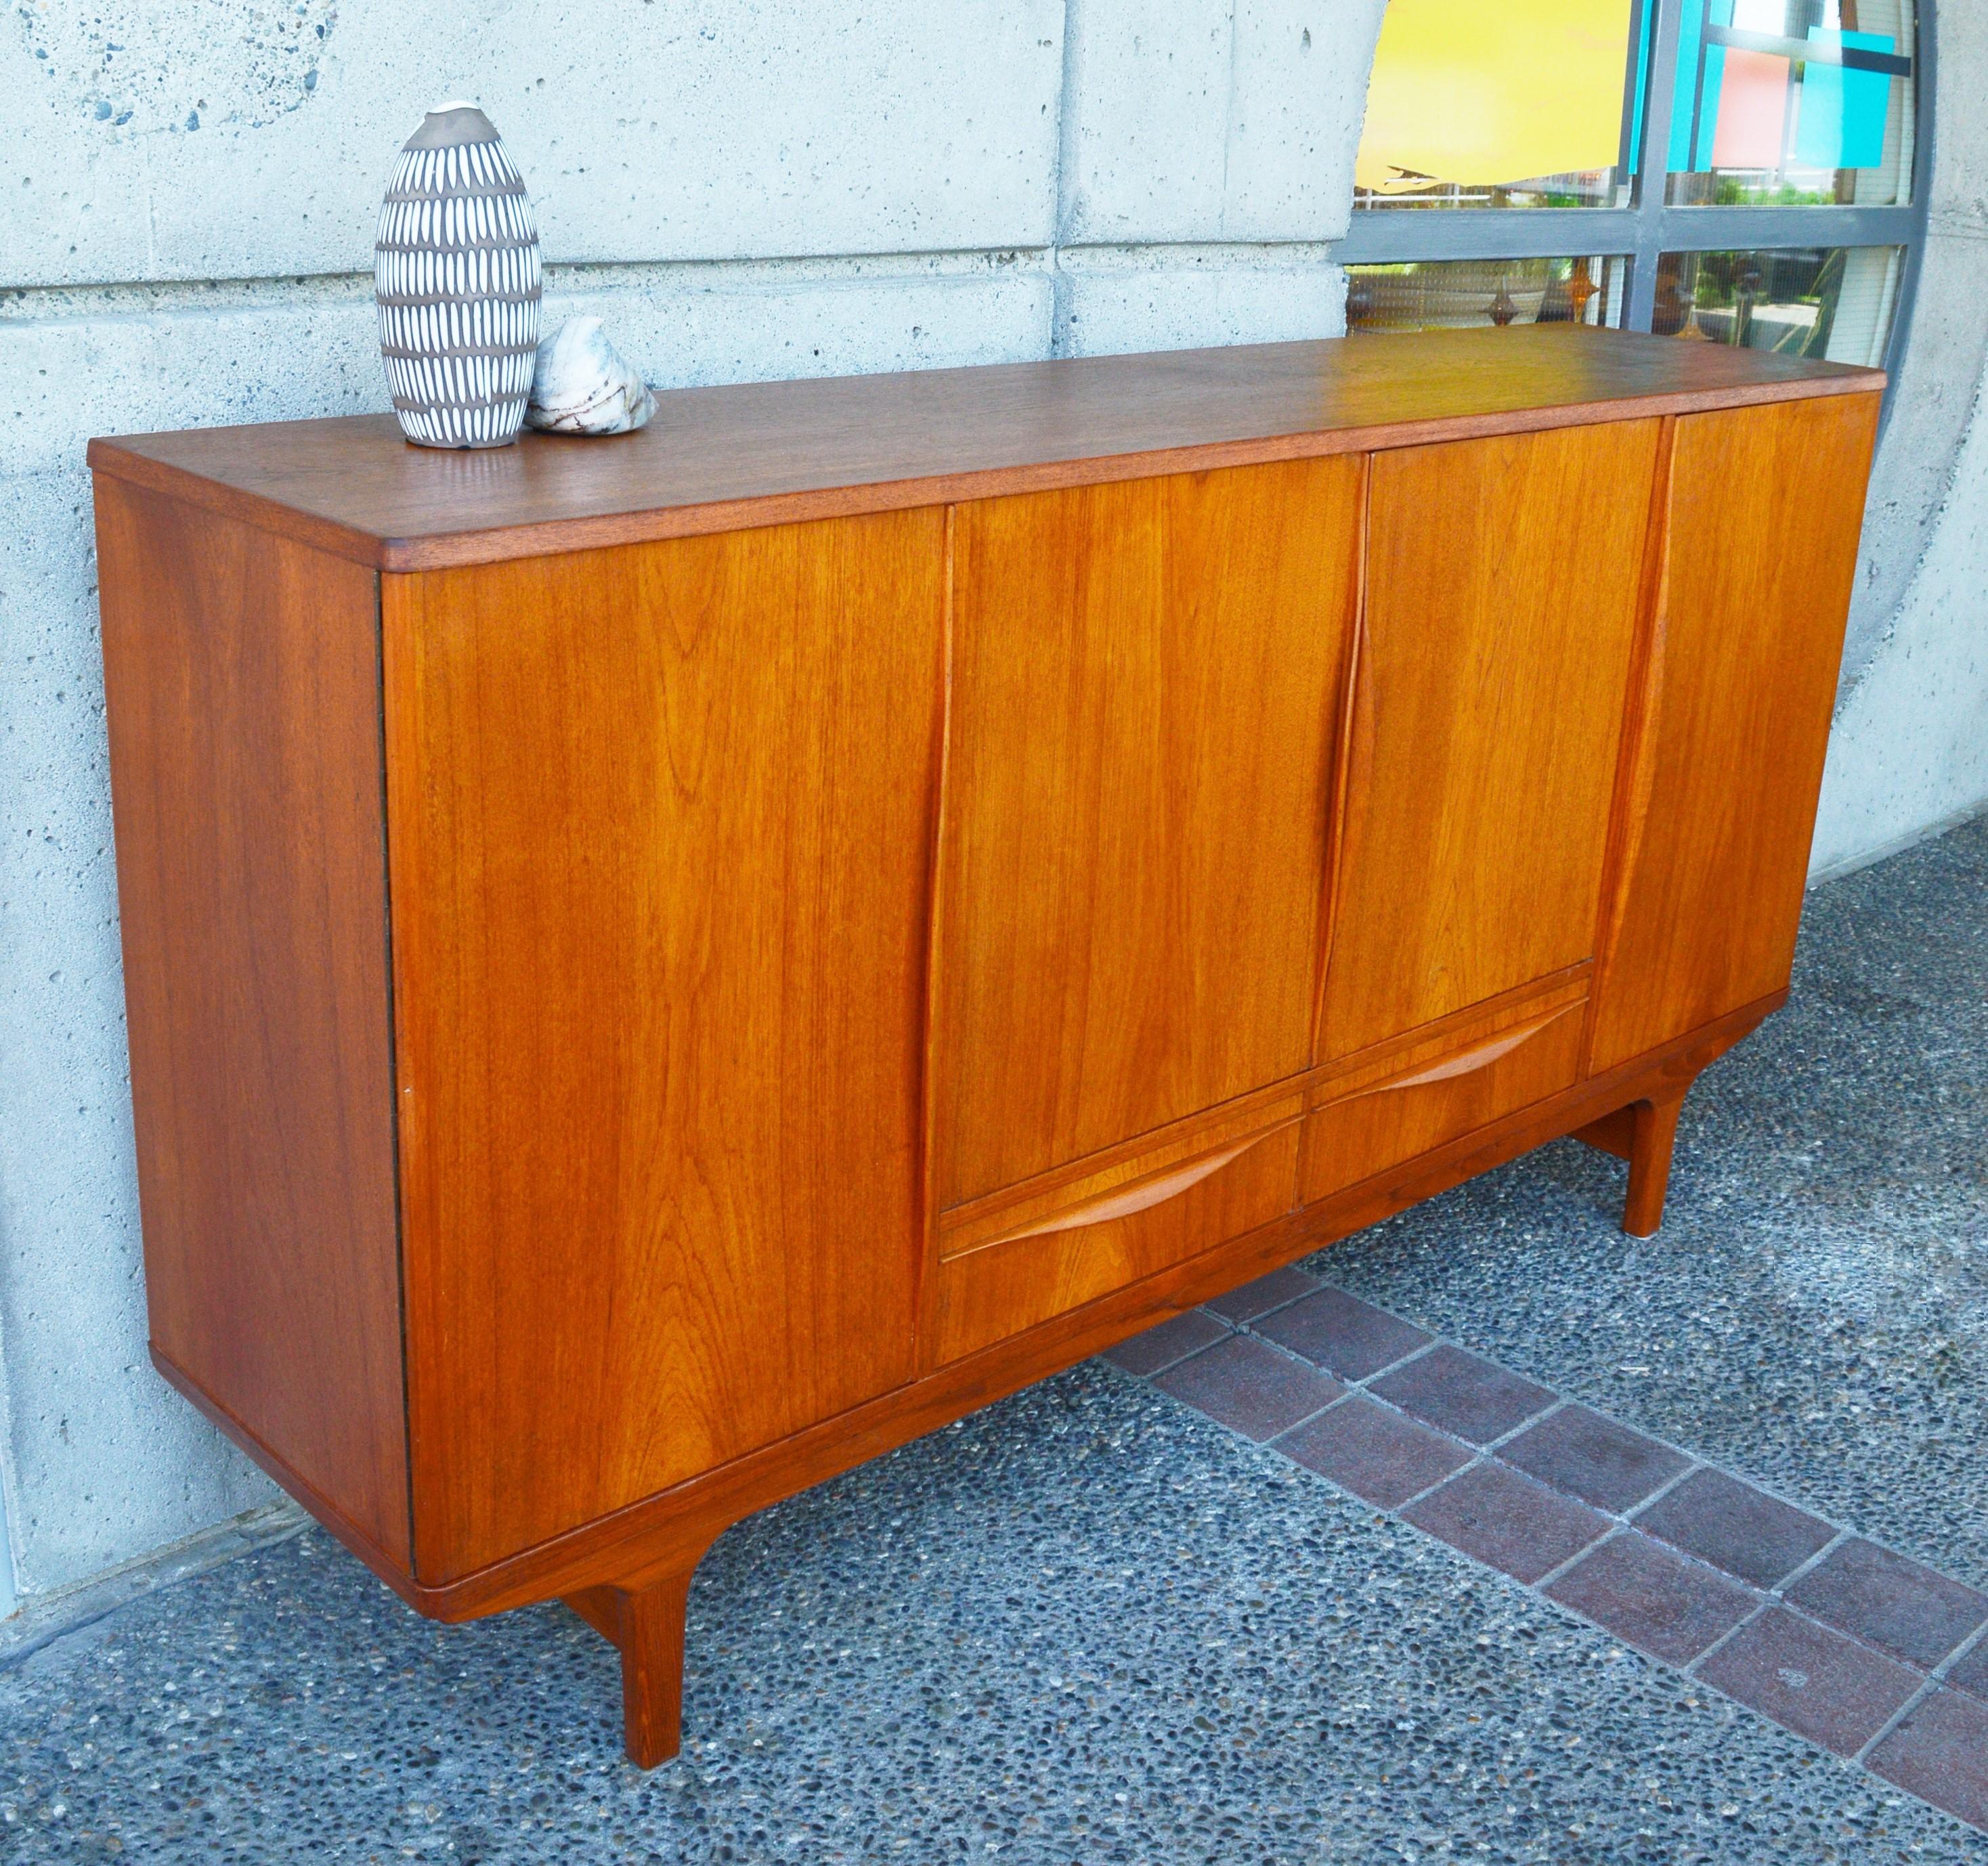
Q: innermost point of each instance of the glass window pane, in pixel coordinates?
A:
(1832, 303)
(1519, 104)
(1451, 294)
(1794, 102)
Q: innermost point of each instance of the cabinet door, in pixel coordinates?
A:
(660, 832)
(1503, 578)
(1143, 698)
(1765, 509)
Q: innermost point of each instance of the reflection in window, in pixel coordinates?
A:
(1454, 294)
(1804, 114)
(1795, 103)
(1834, 303)
(1515, 104)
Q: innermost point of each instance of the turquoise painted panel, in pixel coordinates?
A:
(1842, 120)
(1688, 152)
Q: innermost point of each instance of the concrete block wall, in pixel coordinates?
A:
(1909, 753)
(742, 191)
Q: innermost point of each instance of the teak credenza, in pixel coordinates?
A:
(659, 968)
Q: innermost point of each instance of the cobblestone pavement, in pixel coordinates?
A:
(1095, 1624)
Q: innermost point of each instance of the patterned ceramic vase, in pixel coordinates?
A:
(455, 270)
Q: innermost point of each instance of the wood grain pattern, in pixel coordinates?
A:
(841, 971)
(1439, 1037)
(769, 453)
(661, 1536)
(1138, 1195)
(1765, 513)
(1047, 1203)
(1003, 1291)
(979, 1221)
(1473, 1061)
(1615, 1132)
(1631, 761)
(661, 834)
(648, 1627)
(1135, 806)
(1653, 1138)
(241, 674)
(1502, 576)
(1435, 1092)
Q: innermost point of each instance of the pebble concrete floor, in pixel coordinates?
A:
(1091, 1625)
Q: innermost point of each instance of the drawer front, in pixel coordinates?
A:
(1005, 1265)
(1431, 1093)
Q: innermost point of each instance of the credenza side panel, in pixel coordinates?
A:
(661, 824)
(1146, 684)
(1765, 508)
(241, 673)
(1502, 581)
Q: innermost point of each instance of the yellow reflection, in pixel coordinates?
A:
(1466, 91)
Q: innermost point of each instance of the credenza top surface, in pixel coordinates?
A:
(725, 459)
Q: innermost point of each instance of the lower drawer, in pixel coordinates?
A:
(1006, 1265)
(1430, 1094)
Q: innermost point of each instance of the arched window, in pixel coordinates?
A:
(1735, 171)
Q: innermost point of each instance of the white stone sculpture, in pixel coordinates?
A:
(581, 386)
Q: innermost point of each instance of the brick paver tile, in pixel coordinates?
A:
(1899, 1606)
(1655, 1598)
(1377, 1455)
(1735, 1527)
(1459, 1393)
(1173, 1340)
(1520, 1527)
(1248, 1386)
(1265, 1293)
(1594, 1458)
(1939, 1752)
(1809, 1680)
(1342, 1334)
(1970, 1673)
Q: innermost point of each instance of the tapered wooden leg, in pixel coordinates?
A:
(647, 1625)
(652, 1660)
(1654, 1135)
(1644, 1134)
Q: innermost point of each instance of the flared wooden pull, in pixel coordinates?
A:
(1142, 1194)
(1468, 1061)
